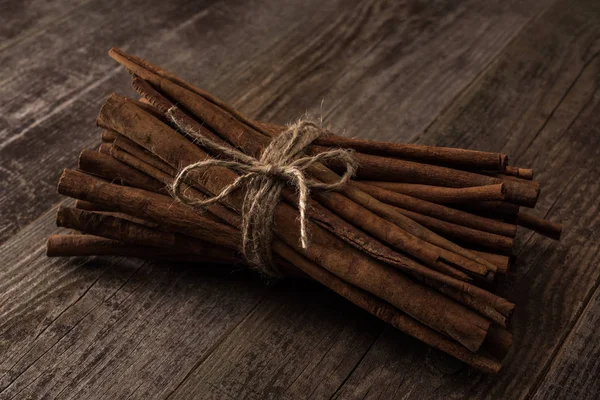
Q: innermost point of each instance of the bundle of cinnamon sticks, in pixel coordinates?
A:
(417, 238)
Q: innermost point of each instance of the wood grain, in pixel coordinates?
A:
(22, 19)
(202, 43)
(300, 340)
(117, 328)
(90, 328)
(542, 92)
(574, 372)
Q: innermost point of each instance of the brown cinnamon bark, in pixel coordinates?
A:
(399, 320)
(347, 203)
(129, 232)
(518, 180)
(89, 245)
(120, 56)
(502, 262)
(498, 342)
(390, 169)
(439, 211)
(147, 206)
(491, 209)
(142, 154)
(86, 205)
(478, 299)
(458, 158)
(424, 304)
(444, 195)
(107, 167)
(462, 233)
(326, 220)
(108, 136)
(547, 228)
(523, 173)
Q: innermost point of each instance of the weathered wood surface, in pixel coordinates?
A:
(540, 101)
(495, 75)
(574, 372)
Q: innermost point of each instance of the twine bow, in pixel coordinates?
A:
(265, 177)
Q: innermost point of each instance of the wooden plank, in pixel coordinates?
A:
(247, 367)
(54, 83)
(68, 362)
(45, 98)
(542, 93)
(51, 87)
(87, 328)
(302, 341)
(574, 372)
(21, 19)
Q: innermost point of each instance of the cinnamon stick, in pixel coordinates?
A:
(439, 211)
(347, 203)
(107, 167)
(502, 262)
(108, 136)
(523, 173)
(462, 233)
(458, 158)
(444, 195)
(480, 300)
(547, 228)
(469, 329)
(89, 245)
(391, 169)
(86, 205)
(129, 232)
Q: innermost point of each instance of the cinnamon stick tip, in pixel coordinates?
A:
(503, 162)
(113, 101)
(49, 246)
(115, 53)
(61, 180)
(502, 192)
(106, 148)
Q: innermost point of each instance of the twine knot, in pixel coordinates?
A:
(265, 177)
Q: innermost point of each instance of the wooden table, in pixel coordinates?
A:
(521, 77)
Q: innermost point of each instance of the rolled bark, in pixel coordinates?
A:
(439, 211)
(142, 154)
(107, 167)
(460, 323)
(476, 298)
(108, 136)
(501, 261)
(381, 221)
(462, 233)
(363, 273)
(89, 245)
(399, 320)
(378, 219)
(444, 195)
(547, 228)
(458, 158)
(128, 232)
(86, 205)
(389, 169)
(523, 173)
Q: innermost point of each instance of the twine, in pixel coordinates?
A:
(280, 163)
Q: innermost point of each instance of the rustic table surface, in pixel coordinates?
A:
(520, 77)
